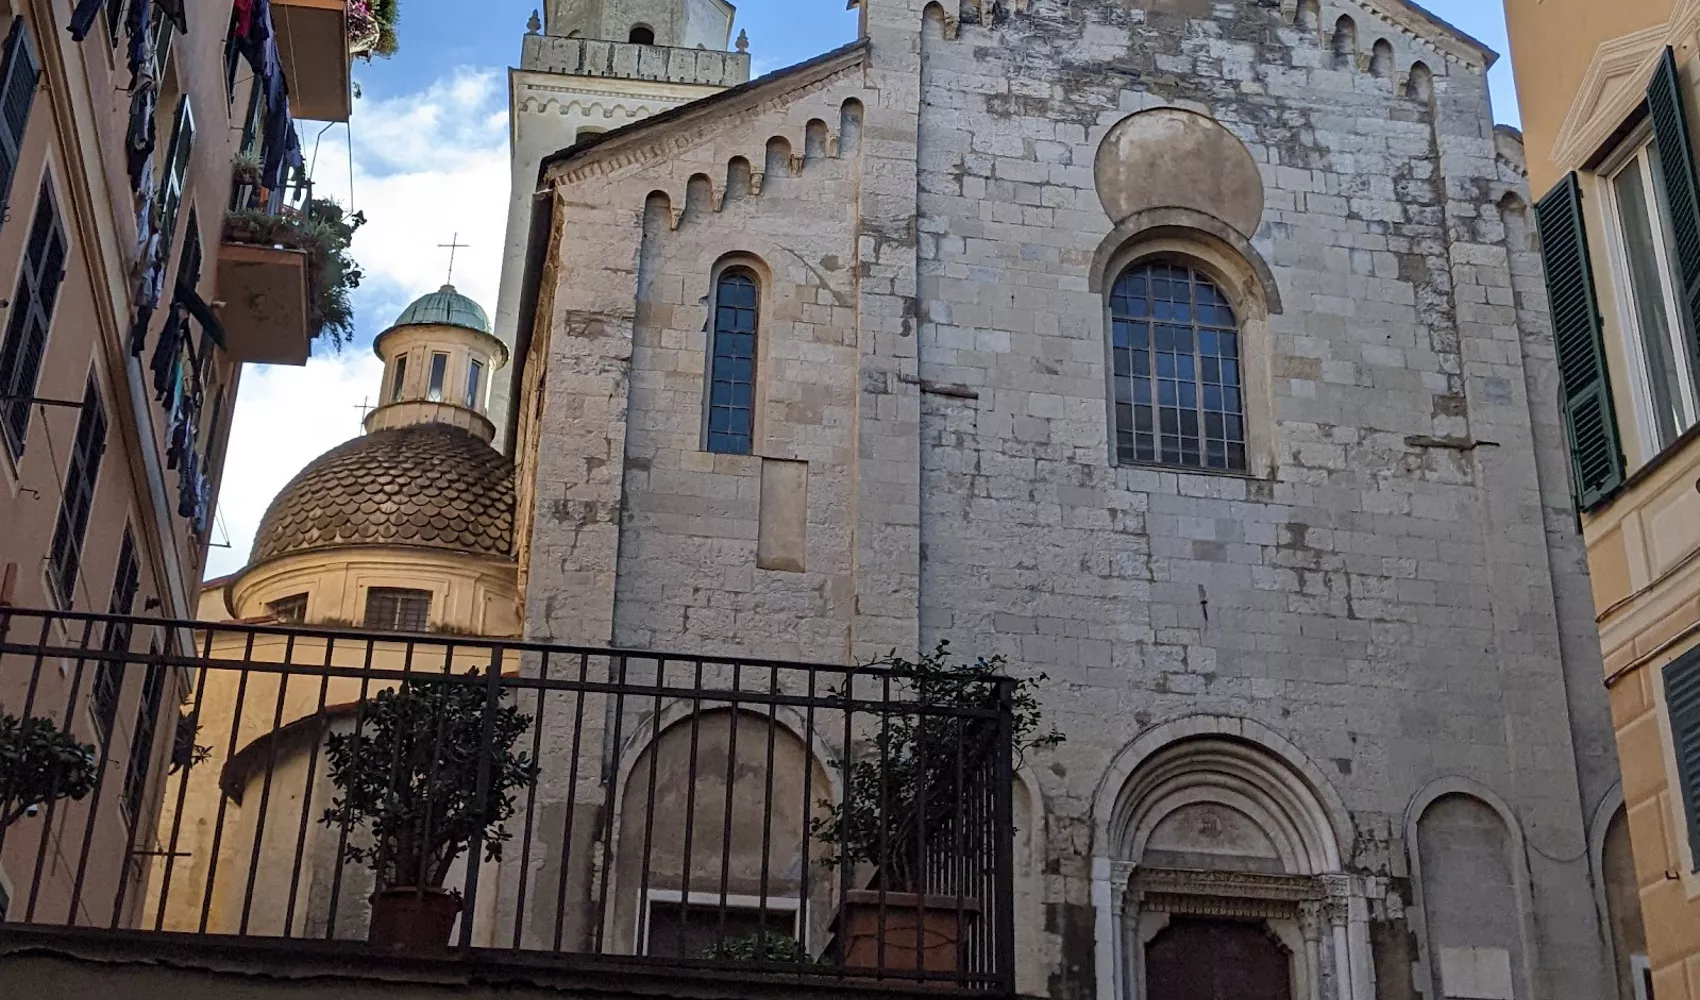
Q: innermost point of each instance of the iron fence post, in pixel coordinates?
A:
(475, 850)
(1004, 828)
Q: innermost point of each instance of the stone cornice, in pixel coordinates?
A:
(1229, 884)
(670, 132)
(1446, 38)
(1616, 84)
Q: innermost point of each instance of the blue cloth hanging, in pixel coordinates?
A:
(83, 17)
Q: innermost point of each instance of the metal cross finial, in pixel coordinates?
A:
(451, 246)
(365, 407)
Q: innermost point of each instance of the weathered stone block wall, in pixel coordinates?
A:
(1396, 589)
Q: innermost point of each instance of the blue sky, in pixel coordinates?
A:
(425, 158)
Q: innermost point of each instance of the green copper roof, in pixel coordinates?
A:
(447, 307)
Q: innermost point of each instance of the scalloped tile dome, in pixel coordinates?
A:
(446, 307)
(430, 485)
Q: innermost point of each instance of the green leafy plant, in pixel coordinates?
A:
(410, 776)
(39, 764)
(774, 947)
(372, 27)
(908, 780)
(324, 231)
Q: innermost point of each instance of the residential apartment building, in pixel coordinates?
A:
(1609, 98)
(141, 146)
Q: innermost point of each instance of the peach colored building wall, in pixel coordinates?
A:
(75, 140)
(1583, 70)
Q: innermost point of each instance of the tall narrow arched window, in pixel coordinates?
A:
(1175, 347)
(732, 368)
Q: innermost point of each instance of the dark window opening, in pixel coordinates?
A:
(700, 929)
(1175, 346)
(77, 500)
(474, 384)
(732, 376)
(396, 610)
(291, 610)
(31, 315)
(142, 739)
(642, 34)
(439, 372)
(108, 685)
(399, 379)
(19, 74)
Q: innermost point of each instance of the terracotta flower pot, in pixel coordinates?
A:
(414, 923)
(916, 932)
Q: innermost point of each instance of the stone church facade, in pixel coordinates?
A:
(1192, 354)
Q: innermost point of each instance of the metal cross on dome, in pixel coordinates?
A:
(452, 246)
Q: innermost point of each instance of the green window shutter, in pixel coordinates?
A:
(1682, 702)
(1595, 452)
(1669, 113)
(19, 74)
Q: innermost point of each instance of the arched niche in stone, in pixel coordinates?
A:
(1470, 883)
(711, 816)
(1221, 855)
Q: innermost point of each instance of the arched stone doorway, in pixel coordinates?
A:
(1213, 958)
(1225, 879)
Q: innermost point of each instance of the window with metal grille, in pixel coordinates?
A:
(108, 683)
(1175, 345)
(732, 374)
(439, 374)
(290, 610)
(393, 609)
(30, 317)
(19, 72)
(142, 739)
(77, 498)
(1682, 702)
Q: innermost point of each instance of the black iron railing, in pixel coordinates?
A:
(692, 811)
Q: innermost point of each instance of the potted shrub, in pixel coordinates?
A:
(904, 791)
(770, 948)
(409, 778)
(40, 764)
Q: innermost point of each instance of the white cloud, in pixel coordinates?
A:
(426, 166)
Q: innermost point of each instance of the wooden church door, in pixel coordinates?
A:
(1209, 959)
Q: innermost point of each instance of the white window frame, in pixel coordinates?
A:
(1641, 973)
(645, 919)
(1632, 154)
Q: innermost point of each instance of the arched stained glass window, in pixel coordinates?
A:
(1175, 345)
(732, 373)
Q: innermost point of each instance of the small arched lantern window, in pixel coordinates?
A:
(732, 369)
(642, 34)
(1175, 347)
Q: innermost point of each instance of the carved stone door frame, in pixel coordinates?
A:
(1311, 914)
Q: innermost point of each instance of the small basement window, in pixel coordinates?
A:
(695, 928)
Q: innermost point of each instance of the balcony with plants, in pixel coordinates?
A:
(285, 270)
(438, 810)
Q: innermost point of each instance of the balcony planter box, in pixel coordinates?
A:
(412, 922)
(903, 932)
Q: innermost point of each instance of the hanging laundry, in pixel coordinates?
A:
(83, 17)
(243, 14)
(177, 12)
(139, 139)
(138, 22)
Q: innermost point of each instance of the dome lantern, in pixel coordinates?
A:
(439, 360)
